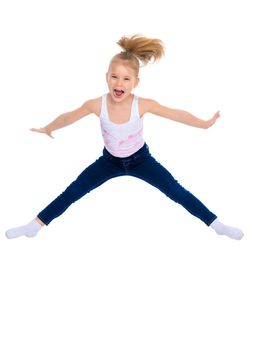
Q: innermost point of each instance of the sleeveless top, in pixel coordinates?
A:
(122, 140)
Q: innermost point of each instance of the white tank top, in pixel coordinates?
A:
(122, 140)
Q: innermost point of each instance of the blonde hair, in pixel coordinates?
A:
(137, 48)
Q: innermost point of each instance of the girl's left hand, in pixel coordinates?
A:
(43, 131)
(212, 121)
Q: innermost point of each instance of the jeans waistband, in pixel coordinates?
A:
(142, 151)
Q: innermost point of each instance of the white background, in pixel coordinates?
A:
(125, 267)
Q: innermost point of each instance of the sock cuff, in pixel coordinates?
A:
(35, 224)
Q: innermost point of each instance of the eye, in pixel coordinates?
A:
(114, 76)
(127, 79)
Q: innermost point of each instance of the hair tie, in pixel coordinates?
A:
(127, 55)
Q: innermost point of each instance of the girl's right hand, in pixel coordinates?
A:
(43, 131)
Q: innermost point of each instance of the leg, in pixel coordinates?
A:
(93, 176)
(155, 174)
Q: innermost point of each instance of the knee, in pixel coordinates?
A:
(75, 190)
(176, 192)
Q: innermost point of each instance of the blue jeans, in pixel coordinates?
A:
(141, 165)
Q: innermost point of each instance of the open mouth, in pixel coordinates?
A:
(118, 93)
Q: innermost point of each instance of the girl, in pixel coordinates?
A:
(125, 152)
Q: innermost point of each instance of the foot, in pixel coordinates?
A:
(222, 229)
(29, 230)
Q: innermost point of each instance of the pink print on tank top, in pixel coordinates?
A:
(131, 137)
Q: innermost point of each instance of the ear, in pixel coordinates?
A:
(107, 76)
(136, 82)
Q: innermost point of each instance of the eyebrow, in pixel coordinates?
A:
(125, 76)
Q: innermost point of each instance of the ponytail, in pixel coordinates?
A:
(139, 49)
(143, 48)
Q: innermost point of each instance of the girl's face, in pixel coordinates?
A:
(121, 80)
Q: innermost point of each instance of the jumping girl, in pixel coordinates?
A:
(125, 153)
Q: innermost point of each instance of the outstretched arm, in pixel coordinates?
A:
(179, 115)
(68, 118)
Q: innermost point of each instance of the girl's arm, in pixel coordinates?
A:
(178, 115)
(68, 118)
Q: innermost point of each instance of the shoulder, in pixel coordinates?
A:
(93, 105)
(146, 105)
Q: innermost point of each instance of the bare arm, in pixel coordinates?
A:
(178, 115)
(68, 118)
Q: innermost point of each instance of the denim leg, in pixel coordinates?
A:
(155, 174)
(93, 176)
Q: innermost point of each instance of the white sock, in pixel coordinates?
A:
(29, 230)
(229, 231)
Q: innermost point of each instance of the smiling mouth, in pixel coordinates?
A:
(118, 93)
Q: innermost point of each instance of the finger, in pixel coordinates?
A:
(217, 115)
(37, 130)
